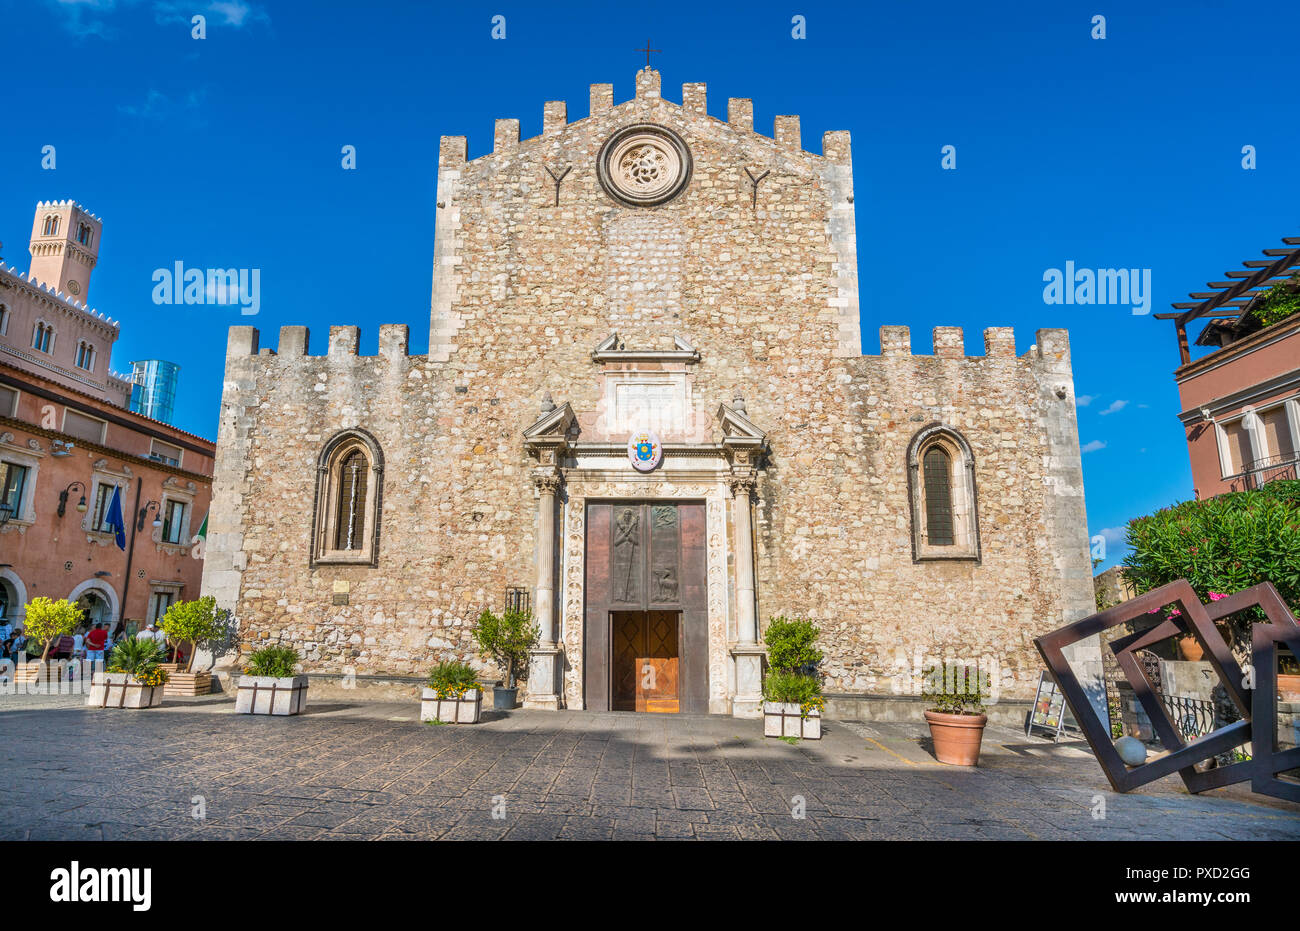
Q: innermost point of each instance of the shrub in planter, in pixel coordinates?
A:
(792, 693)
(790, 644)
(792, 706)
(956, 714)
(134, 677)
(270, 686)
(453, 695)
(506, 640)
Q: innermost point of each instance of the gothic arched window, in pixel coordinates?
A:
(85, 356)
(350, 521)
(43, 336)
(83, 234)
(941, 478)
(349, 489)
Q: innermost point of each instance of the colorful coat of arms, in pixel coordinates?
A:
(644, 451)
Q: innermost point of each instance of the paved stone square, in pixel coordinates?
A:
(358, 770)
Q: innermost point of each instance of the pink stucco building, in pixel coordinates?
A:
(1241, 402)
(68, 439)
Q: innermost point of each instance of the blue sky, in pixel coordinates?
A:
(1123, 152)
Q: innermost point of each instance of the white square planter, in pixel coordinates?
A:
(269, 695)
(451, 710)
(786, 720)
(122, 690)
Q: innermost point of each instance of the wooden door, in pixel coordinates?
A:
(646, 601)
(644, 665)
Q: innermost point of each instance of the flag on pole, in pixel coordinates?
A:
(200, 539)
(114, 520)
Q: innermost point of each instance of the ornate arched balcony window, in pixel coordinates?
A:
(349, 491)
(941, 482)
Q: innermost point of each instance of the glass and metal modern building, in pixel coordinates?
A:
(153, 388)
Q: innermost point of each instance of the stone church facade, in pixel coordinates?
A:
(645, 411)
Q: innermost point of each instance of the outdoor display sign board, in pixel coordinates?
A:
(1049, 712)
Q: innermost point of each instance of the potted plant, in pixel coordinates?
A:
(792, 706)
(134, 677)
(191, 622)
(1288, 677)
(792, 692)
(453, 695)
(270, 685)
(956, 716)
(46, 622)
(507, 641)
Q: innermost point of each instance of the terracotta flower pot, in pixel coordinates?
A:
(1288, 687)
(957, 736)
(1190, 648)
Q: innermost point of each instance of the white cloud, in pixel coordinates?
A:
(1083, 400)
(1113, 535)
(1114, 407)
(236, 13)
(1092, 446)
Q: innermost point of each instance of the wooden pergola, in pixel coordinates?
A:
(1233, 298)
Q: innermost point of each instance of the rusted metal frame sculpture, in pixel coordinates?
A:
(1198, 620)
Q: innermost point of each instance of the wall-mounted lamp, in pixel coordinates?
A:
(63, 498)
(144, 512)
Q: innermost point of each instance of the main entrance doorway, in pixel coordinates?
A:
(645, 660)
(645, 634)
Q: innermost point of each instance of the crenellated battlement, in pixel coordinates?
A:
(50, 293)
(947, 342)
(295, 343)
(694, 100)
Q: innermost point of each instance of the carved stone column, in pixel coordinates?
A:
(545, 664)
(747, 653)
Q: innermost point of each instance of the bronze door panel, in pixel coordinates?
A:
(645, 557)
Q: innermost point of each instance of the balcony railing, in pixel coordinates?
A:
(1269, 469)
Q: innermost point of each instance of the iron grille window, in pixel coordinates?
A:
(518, 599)
(937, 467)
(351, 519)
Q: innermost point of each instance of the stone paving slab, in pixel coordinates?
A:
(346, 771)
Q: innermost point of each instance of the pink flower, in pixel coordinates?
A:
(1217, 596)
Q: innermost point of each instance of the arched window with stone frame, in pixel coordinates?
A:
(941, 484)
(349, 500)
(43, 337)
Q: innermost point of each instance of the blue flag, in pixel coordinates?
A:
(114, 519)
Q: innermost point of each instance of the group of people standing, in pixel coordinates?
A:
(91, 643)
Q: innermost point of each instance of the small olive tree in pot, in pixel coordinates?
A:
(47, 620)
(506, 640)
(192, 622)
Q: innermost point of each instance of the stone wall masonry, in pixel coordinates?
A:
(766, 289)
